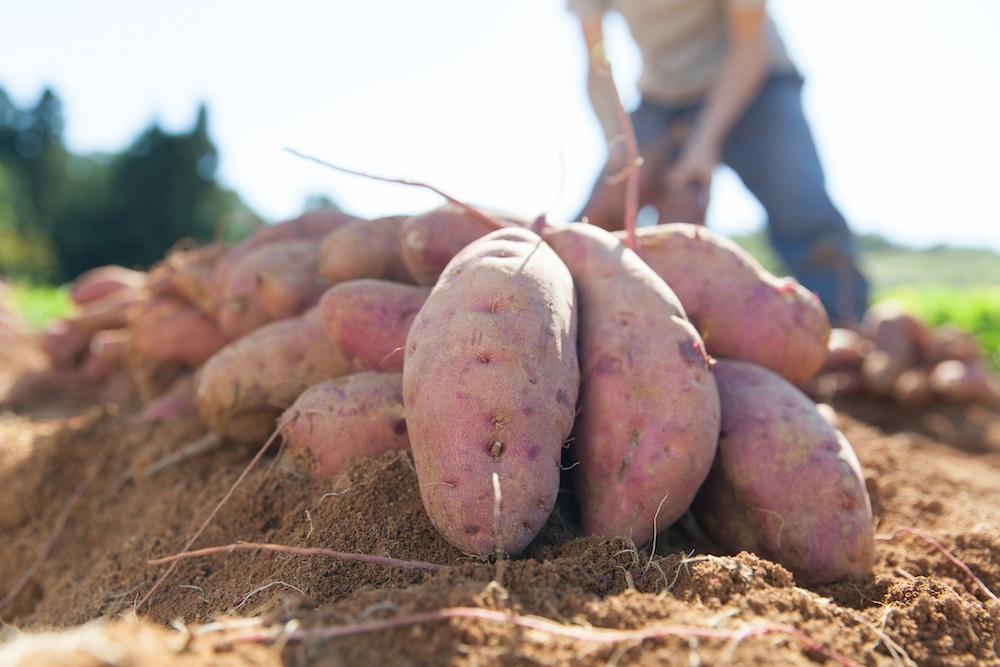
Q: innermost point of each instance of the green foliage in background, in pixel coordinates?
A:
(40, 304)
(973, 309)
(61, 214)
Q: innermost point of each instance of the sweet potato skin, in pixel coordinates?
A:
(99, 282)
(310, 226)
(965, 382)
(428, 241)
(649, 409)
(335, 421)
(364, 249)
(248, 383)
(898, 340)
(368, 321)
(275, 281)
(740, 309)
(785, 484)
(490, 382)
(168, 330)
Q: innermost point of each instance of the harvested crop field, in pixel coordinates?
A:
(932, 475)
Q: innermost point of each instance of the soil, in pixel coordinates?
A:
(937, 471)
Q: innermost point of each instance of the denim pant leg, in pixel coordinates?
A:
(771, 149)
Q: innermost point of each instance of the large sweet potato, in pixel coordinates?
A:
(364, 249)
(272, 282)
(649, 410)
(338, 420)
(248, 383)
(368, 321)
(490, 383)
(786, 484)
(741, 310)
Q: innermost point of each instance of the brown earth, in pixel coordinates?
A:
(937, 471)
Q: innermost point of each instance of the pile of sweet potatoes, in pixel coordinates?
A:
(503, 353)
(895, 356)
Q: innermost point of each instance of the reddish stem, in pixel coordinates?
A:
(579, 633)
(631, 170)
(50, 543)
(300, 551)
(471, 210)
(931, 540)
(201, 529)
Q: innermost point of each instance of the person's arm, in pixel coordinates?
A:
(743, 71)
(600, 86)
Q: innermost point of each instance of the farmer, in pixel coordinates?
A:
(718, 86)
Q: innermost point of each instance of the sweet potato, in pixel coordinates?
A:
(949, 342)
(898, 339)
(310, 226)
(248, 383)
(966, 382)
(108, 312)
(490, 382)
(912, 388)
(364, 249)
(63, 345)
(740, 309)
(649, 410)
(188, 273)
(111, 346)
(786, 484)
(338, 420)
(368, 321)
(177, 402)
(170, 331)
(98, 283)
(846, 349)
(272, 282)
(429, 240)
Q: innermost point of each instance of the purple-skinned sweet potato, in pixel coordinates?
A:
(490, 382)
(335, 421)
(273, 282)
(740, 309)
(429, 240)
(310, 226)
(248, 383)
(785, 484)
(364, 249)
(368, 321)
(649, 410)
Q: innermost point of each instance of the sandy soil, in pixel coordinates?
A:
(937, 471)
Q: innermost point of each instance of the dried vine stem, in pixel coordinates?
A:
(468, 208)
(936, 544)
(299, 551)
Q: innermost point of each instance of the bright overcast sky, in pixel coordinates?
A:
(486, 99)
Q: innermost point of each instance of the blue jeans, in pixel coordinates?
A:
(772, 151)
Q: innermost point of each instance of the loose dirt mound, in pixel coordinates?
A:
(919, 607)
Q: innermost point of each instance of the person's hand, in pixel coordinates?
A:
(693, 171)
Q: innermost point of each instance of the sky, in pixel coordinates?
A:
(487, 101)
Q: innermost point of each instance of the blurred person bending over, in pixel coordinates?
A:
(718, 86)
